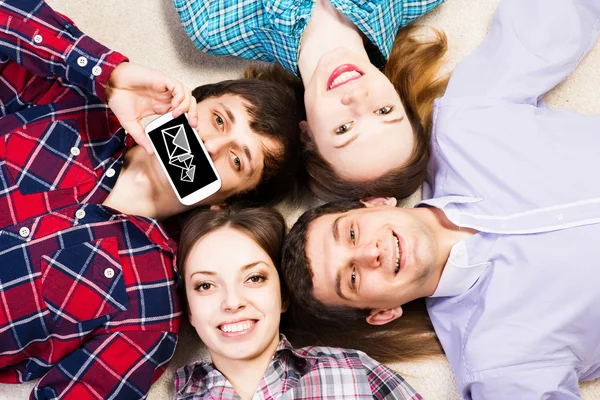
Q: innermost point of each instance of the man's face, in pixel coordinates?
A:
(378, 257)
(237, 152)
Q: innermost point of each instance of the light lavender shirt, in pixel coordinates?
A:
(517, 309)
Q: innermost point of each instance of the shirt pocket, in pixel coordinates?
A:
(83, 282)
(46, 156)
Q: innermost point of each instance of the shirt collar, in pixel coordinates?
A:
(458, 275)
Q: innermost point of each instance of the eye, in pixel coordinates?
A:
(236, 162)
(353, 278)
(256, 279)
(384, 110)
(344, 128)
(352, 236)
(219, 121)
(203, 286)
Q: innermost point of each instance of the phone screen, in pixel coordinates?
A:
(178, 147)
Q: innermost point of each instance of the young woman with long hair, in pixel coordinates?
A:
(366, 129)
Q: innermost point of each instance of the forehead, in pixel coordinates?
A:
(224, 250)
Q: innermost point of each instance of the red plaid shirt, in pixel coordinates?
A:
(87, 294)
(302, 374)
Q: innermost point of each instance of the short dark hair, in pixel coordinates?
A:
(274, 112)
(264, 225)
(296, 269)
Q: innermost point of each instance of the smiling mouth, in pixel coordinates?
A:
(398, 254)
(237, 328)
(343, 74)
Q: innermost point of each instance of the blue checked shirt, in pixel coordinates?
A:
(271, 30)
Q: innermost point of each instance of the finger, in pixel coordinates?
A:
(179, 95)
(136, 130)
(193, 112)
(185, 104)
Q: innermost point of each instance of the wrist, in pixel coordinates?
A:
(110, 85)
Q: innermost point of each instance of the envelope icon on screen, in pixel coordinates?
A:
(178, 149)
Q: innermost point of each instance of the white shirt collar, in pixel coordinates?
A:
(458, 276)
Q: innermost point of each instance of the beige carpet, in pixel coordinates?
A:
(149, 33)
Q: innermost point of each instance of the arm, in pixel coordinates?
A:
(557, 383)
(49, 45)
(531, 47)
(121, 365)
(386, 383)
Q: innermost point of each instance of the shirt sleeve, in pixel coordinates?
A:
(557, 383)
(121, 365)
(386, 383)
(49, 44)
(531, 47)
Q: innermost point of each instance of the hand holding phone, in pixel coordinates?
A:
(183, 158)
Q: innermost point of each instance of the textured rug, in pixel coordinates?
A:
(149, 33)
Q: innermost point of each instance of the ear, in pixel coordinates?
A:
(190, 317)
(217, 207)
(304, 132)
(382, 317)
(379, 201)
(285, 304)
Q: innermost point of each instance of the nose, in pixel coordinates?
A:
(369, 255)
(355, 96)
(233, 301)
(215, 144)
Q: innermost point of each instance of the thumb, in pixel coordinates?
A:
(137, 132)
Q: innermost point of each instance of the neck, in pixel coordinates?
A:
(446, 235)
(245, 375)
(140, 191)
(327, 30)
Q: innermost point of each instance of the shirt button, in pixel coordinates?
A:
(109, 273)
(559, 217)
(80, 214)
(97, 71)
(110, 172)
(82, 61)
(38, 39)
(24, 231)
(75, 151)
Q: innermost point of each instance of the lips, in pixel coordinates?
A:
(399, 247)
(237, 328)
(342, 75)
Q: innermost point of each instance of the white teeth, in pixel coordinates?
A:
(237, 327)
(344, 77)
(397, 253)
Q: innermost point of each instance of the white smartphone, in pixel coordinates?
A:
(184, 159)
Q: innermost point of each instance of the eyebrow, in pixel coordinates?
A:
(338, 285)
(335, 229)
(228, 112)
(244, 269)
(394, 121)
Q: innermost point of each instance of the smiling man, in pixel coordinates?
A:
(504, 246)
(87, 273)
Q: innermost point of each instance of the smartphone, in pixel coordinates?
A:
(184, 159)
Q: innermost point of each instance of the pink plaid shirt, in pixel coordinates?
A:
(302, 374)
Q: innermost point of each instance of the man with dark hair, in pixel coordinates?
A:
(504, 246)
(87, 272)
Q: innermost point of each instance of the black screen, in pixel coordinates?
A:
(178, 147)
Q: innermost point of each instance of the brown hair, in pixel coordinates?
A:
(407, 338)
(264, 225)
(412, 68)
(274, 112)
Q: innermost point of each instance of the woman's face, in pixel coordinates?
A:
(356, 118)
(234, 295)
